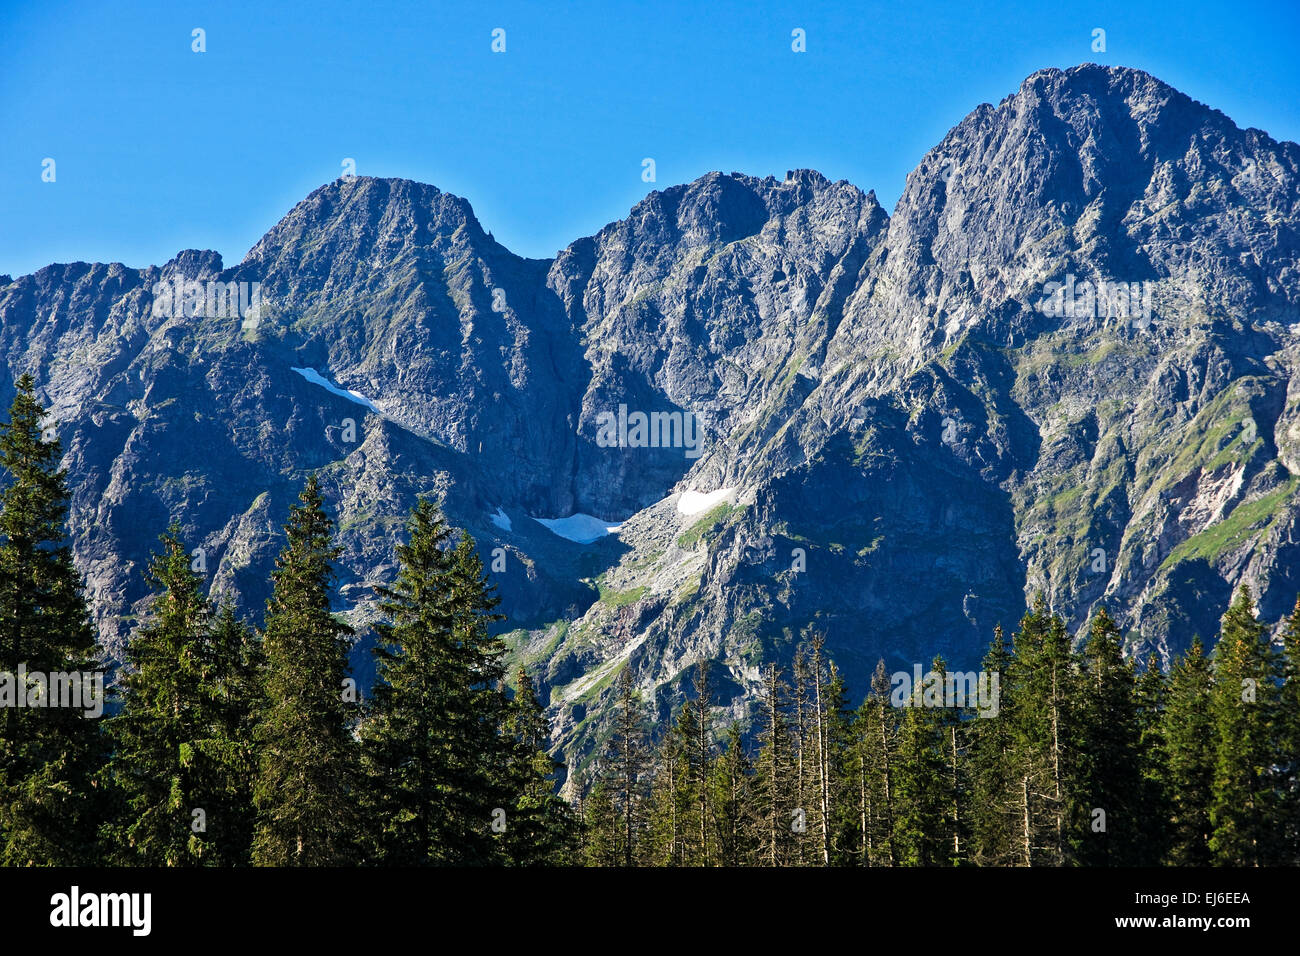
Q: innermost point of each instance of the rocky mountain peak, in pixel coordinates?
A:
(877, 405)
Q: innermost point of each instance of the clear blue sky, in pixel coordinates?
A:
(158, 148)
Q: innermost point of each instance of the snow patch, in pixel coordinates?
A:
(316, 378)
(580, 528)
(693, 502)
(501, 519)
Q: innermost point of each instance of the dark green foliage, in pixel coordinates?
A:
(307, 788)
(996, 815)
(1244, 707)
(878, 728)
(183, 758)
(1187, 732)
(782, 823)
(1077, 760)
(440, 764)
(1154, 800)
(921, 803)
(1107, 820)
(49, 808)
(603, 827)
(731, 785)
(682, 817)
(540, 827)
(672, 839)
(629, 759)
(826, 732)
(1081, 758)
(1043, 677)
(1289, 733)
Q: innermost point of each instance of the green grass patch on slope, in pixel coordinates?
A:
(619, 598)
(692, 535)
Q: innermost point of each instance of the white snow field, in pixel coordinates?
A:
(693, 502)
(580, 528)
(316, 378)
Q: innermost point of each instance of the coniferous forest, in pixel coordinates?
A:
(228, 744)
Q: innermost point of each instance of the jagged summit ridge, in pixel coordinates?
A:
(885, 406)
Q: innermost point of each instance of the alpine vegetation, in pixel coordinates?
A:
(763, 527)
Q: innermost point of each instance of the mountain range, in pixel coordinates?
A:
(1066, 363)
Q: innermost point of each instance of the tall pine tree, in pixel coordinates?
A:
(628, 762)
(781, 821)
(922, 791)
(1107, 822)
(540, 829)
(1155, 809)
(182, 761)
(1043, 677)
(1187, 731)
(434, 738)
(732, 802)
(49, 756)
(1244, 806)
(997, 816)
(1289, 718)
(307, 787)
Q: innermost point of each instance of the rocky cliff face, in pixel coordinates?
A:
(1066, 363)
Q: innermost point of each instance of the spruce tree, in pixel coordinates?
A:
(629, 768)
(540, 829)
(228, 756)
(953, 728)
(824, 730)
(1289, 730)
(307, 787)
(1043, 677)
(1155, 810)
(922, 797)
(732, 801)
(672, 827)
(480, 750)
(1244, 806)
(602, 823)
(877, 730)
(859, 771)
(996, 815)
(49, 756)
(680, 812)
(434, 741)
(182, 762)
(701, 761)
(801, 722)
(839, 744)
(1110, 765)
(780, 819)
(1187, 730)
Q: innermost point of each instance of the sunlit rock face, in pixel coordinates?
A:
(1066, 363)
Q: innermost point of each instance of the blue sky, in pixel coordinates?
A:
(158, 148)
